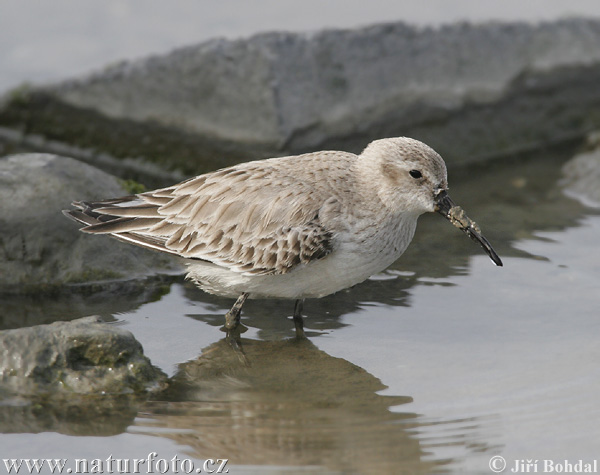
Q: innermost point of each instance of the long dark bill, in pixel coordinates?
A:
(455, 214)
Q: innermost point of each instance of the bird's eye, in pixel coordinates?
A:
(415, 173)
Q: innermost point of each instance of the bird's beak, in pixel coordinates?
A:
(455, 214)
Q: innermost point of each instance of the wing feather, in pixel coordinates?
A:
(254, 218)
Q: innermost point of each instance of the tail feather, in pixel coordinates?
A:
(139, 211)
(79, 216)
(121, 219)
(121, 225)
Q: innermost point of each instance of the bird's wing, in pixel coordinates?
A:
(254, 218)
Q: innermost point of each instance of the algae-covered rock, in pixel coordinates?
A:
(84, 356)
(277, 88)
(40, 248)
(470, 91)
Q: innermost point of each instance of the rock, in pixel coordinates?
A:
(471, 91)
(84, 356)
(41, 249)
(582, 174)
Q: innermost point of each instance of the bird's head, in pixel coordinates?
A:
(411, 177)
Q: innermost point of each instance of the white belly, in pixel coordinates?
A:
(353, 260)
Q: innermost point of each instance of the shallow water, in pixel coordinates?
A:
(437, 364)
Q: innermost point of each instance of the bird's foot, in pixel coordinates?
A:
(232, 318)
(236, 330)
(298, 319)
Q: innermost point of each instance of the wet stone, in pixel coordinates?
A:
(40, 249)
(84, 356)
(220, 102)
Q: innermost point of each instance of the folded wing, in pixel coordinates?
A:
(250, 218)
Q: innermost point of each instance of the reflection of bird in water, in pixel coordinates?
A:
(292, 405)
(290, 227)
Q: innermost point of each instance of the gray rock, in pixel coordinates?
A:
(277, 87)
(470, 91)
(41, 249)
(85, 356)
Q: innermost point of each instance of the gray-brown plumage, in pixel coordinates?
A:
(290, 227)
(223, 217)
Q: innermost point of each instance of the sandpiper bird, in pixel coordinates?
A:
(288, 227)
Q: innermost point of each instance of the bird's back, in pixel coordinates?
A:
(260, 217)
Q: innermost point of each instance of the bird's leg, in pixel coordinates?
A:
(232, 318)
(298, 321)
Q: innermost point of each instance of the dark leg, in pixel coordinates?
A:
(298, 322)
(232, 318)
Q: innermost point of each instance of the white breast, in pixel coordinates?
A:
(358, 254)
